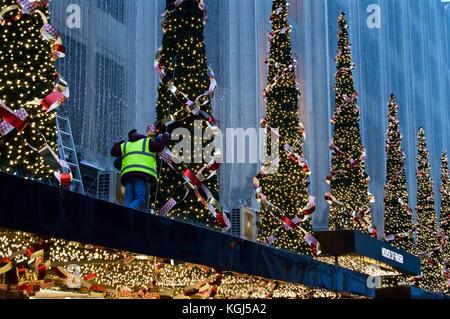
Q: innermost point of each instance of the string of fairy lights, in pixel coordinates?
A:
(119, 271)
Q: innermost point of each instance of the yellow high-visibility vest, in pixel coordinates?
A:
(136, 157)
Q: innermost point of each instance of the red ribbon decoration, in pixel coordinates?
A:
(215, 167)
(98, 288)
(310, 208)
(35, 248)
(59, 273)
(12, 119)
(60, 49)
(190, 177)
(42, 271)
(289, 222)
(332, 200)
(374, 232)
(221, 220)
(53, 101)
(66, 179)
(90, 277)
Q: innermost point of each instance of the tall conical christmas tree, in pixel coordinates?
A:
(445, 214)
(184, 102)
(398, 223)
(27, 90)
(349, 197)
(282, 185)
(427, 229)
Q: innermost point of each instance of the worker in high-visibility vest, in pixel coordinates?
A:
(139, 166)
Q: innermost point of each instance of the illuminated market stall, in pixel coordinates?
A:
(190, 261)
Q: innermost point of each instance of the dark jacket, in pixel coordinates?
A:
(155, 147)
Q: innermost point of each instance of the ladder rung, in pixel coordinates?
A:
(69, 152)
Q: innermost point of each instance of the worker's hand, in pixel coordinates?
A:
(163, 138)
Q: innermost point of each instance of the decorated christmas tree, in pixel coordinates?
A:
(282, 185)
(445, 214)
(398, 224)
(30, 89)
(188, 186)
(349, 197)
(428, 245)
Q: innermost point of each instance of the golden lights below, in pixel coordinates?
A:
(122, 271)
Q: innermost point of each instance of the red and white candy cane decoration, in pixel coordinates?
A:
(52, 101)
(193, 107)
(295, 225)
(314, 244)
(360, 217)
(30, 6)
(10, 120)
(57, 97)
(163, 211)
(50, 33)
(288, 224)
(298, 159)
(331, 200)
(59, 50)
(195, 182)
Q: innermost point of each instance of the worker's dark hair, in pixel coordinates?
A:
(132, 133)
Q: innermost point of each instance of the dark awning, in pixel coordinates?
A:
(48, 211)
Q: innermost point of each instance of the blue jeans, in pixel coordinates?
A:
(136, 193)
